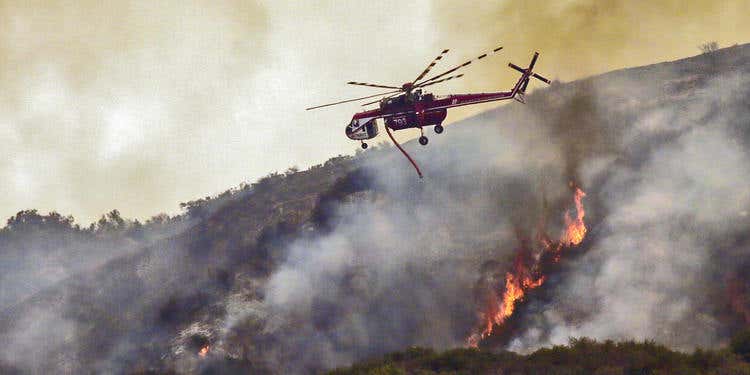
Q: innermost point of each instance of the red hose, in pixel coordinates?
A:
(388, 130)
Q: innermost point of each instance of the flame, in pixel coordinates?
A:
(204, 351)
(575, 229)
(524, 276)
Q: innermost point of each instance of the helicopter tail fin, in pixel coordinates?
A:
(526, 74)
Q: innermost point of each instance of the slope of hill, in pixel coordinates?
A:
(310, 270)
(162, 284)
(581, 356)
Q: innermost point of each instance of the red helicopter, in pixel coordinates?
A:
(408, 107)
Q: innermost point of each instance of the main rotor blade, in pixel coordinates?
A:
(517, 68)
(387, 97)
(533, 60)
(449, 71)
(352, 100)
(372, 85)
(441, 80)
(429, 67)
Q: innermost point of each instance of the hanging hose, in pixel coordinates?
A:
(388, 130)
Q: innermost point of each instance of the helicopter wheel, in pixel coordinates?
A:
(439, 129)
(423, 140)
(364, 146)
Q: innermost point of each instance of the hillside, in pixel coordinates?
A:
(581, 356)
(172, 279)
(306, 271)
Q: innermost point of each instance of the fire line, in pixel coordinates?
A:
(523, 276)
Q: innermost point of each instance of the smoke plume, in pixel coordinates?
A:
(384, 261)
(664, 163)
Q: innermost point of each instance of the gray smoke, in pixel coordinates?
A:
(671, 208)
(661, 153)
(399, 267)
(99, 300)
(662, 158)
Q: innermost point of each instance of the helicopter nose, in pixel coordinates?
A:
(360, 129)
(353, 130)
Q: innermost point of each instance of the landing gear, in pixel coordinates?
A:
(439, 129)
(423, 140)
(364, 146)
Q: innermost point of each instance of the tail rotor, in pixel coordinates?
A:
(526, 76)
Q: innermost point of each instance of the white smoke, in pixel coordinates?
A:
(648, 274)
(664, 171)
(399, 266)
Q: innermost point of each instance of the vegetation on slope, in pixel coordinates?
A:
(230, 243)
(580, 356)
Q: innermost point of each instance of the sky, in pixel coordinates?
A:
(139, 105)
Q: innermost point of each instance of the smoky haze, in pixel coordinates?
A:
(584, 37)
(105, 104)
(662, 155)
(661, 152)
(131, 108)
(137, 106)
(399, 266)
(677, 212)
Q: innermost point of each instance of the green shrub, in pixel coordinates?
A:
(582, 356)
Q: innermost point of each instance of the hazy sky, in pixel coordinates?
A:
(140, 105)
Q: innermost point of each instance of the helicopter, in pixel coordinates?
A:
(407, 106)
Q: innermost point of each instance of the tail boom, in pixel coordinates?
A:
(519, 89)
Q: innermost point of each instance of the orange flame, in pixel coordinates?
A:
(575, 229)
(523, 278)
(204, 351)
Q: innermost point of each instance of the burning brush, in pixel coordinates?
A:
(195, 340)
(526, 272)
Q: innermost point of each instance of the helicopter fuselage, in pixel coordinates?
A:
(407, 107)
(415, 111)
